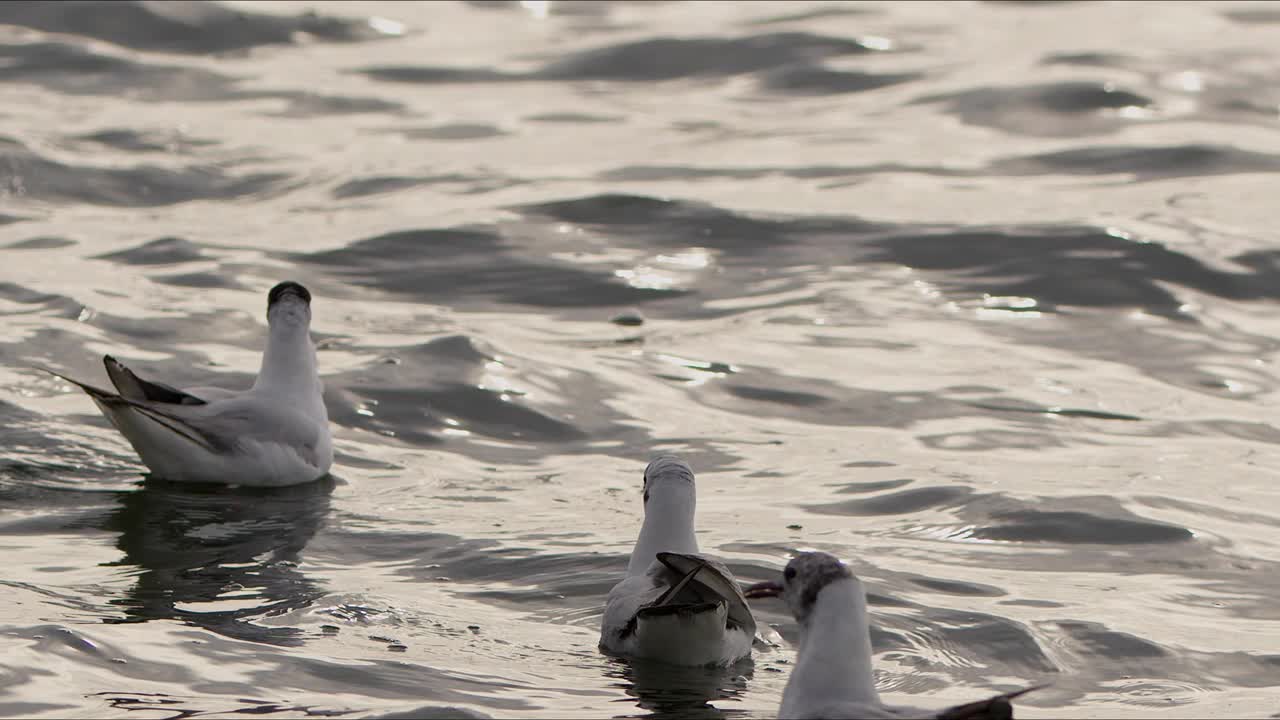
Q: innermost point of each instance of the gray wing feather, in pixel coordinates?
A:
(132, 387)
(224, 423)
(716, 578)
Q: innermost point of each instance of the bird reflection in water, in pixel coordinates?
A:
(219, 557)
(672, 691)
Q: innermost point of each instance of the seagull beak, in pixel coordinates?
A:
(766, 589)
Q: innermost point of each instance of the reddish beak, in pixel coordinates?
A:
(766, 589)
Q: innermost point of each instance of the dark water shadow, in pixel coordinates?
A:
(1080, 267)
(672, 58)
(1257, 15)
(31, 176)
(453, 266)
(199, 548)
(819, 80)
(271, 673)
(161, 251)
(1058, 265)
(34, 302)
(653, 59)
(528, 266)
(1072, 520)
(1139, 163)
(824, 12)
(73, 69)
(669, 691)
(41, 242)
(420, 394)
(452, 183)
(1072, 108)
(130, 140)
(180, 26)
(1144, 163)
(552, 585)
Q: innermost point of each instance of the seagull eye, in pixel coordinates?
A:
(789, 574)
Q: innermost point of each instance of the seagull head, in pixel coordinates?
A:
(289, 305)
(665, 474)
(804, 577)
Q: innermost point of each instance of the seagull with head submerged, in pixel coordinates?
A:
(274, 434)
(675, 605)
(832, 677)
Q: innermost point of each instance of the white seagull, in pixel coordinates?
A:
(276, 433)
(675, 605)
(832, 676)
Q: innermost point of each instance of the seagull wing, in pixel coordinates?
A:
(219, 426)
(225, 424)
(112, 403)
(713, 578)
(624, 603)
(132, 387)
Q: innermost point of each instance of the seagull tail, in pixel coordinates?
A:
(94, 391)
(137, 420)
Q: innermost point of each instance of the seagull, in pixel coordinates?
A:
(675, 605)
(276, 433)
(832, 676)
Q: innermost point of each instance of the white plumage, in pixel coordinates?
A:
(274, 434)
(675, 605)
(833, 677)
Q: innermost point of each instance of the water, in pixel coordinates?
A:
(978, 296)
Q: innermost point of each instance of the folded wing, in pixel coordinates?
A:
(709, 580)
(132, 387)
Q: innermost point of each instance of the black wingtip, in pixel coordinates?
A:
(999, 707)
(288, 287)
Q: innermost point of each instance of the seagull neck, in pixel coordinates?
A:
(834, 660)
(288, 363)
(668, 526)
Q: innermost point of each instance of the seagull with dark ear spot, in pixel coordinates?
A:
(832, 678)
(276, 433)
(675, 605)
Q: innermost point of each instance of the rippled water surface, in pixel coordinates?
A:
(981, 297)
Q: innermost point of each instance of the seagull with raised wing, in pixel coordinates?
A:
(675, 605)
(832, 677)
(274, 434)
